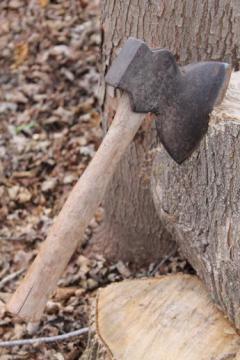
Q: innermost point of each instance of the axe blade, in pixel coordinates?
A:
(181, 97)
(184, 121)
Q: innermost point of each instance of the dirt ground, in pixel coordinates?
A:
(49, 130)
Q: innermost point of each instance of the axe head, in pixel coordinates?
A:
(181, 97)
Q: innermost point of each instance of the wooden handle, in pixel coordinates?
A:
(30, 298)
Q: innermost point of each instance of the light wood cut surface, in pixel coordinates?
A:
(166, 318)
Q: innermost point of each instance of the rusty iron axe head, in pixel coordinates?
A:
(181, 97)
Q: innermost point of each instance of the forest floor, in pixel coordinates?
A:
(49, 130)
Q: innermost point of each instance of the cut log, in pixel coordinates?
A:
(166, 318)
(199, 202)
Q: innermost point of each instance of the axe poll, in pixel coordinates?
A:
(180, 97)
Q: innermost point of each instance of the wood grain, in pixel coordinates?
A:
(166, 318)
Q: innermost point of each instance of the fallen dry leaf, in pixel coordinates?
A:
(43, 3)
(64, 293)
(21, 53)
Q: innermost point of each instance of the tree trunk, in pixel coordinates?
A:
(169, 317)
(193, 31)
(199, 203)
(131, 229)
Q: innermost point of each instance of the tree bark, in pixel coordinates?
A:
(199, 202)
(131, 229)
(193, 31)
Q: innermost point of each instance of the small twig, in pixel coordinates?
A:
(47, 339)
(10, 277)
(162, 262)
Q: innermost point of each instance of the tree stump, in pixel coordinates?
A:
(166, 318)
(199, 202)
(194, 31)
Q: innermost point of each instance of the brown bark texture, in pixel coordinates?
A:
(199, 202)
(193, 30)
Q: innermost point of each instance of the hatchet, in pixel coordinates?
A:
(181, 98)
